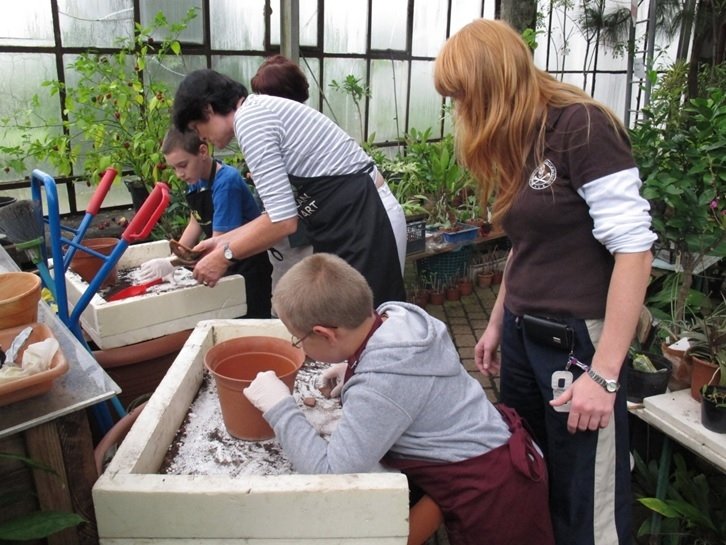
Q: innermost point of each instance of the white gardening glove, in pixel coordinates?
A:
(266, 391)
(156, 268)
(333, 378)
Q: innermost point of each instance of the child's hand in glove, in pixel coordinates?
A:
(156, 268)
(333, 378)
(266, 391)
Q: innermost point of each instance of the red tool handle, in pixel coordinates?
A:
(149, 213)
(94, 205)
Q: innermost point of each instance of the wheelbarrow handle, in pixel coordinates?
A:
(94, 205)
(145, 219)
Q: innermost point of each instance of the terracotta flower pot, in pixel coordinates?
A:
(497, 277)
(453, 293)
(421, 298)
(19, 297)
(466, 286)
(235, 364)
(87, 265)
(484, 279)
(681, 376)
(437, 298)
(702, 373)
(139, 368)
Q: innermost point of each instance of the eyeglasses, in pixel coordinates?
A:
(297, 341)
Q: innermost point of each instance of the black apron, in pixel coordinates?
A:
(344, 215)
(256, 269)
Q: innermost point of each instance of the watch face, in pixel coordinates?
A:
(228, 253)
(611, 386)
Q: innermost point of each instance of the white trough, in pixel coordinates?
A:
(136, 504)
(153, 315)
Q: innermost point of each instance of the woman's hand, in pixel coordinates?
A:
(486, 354)
(592, 406)
(210, 268)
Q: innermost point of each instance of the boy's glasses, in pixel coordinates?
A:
(296, 342)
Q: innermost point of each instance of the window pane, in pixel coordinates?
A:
(308, 17)
(237, 25)
(388, 103)
(309, 22)
(388, 26)
(311, 69)
(173, 69)
(239, 68)
(175, 11)
(425, 106)
(346, 25)
(464, 12)
(429, 27)
(95, 23)
(17, 108)
(340, 106)
(27, 23)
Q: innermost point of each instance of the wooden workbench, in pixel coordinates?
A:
(53, 430)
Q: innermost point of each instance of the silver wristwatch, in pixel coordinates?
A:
(228, 255)
(611, 386)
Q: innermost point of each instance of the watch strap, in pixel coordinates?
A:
(610, 385)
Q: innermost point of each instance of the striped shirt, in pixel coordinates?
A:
(280, 137)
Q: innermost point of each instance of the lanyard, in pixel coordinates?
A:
(353, 360)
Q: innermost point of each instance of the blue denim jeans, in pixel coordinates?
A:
(590, 497)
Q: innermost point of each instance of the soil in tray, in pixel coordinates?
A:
(202, 445)
(130, 277)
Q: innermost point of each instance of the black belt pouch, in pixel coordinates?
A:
(548, 332)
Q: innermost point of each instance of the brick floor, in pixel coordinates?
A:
(467, 318)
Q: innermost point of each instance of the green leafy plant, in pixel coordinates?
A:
(357, 90)
(444, 184)
(694, 508)
(707, 338)
(680, 148)
(117, 109)
(36, 525)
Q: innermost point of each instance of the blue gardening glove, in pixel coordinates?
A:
(266, 391)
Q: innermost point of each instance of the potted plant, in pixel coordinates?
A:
(707, 349)
(678, 147)
(713, 405)
(116, 111)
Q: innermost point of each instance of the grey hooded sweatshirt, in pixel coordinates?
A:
(410, 397)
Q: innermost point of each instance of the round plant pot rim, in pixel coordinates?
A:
(29, 290)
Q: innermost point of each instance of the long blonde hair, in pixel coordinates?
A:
(500, 105)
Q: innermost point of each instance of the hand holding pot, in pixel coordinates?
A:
(156, 268)
(333, 378)
(266, 391)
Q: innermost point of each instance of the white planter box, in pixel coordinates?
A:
(130, 321)
(135, 504)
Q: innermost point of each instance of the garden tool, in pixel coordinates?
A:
(94, 205)
(132, 291)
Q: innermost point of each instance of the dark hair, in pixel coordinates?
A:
(175, 139)
(202, 88)
(279, 76)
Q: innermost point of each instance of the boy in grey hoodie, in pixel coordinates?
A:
(407, 403)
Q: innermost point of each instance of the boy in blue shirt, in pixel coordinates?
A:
(220, 201)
